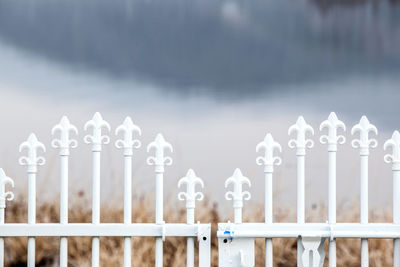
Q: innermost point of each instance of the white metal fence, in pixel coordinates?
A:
(236, 240)
(96, 138)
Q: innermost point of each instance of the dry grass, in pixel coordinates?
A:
(79, 248)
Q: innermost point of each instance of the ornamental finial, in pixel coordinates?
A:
(237, 179)
(393, 158)
(191, 180)
(64, 143)
(159, 144)
(128, 143)
(5, 195)
(97, 139)
(269, 144)
(332, 139)
(301, 143)
(32, 160)
(364, 127)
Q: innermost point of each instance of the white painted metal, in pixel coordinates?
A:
(191, 180)
(332, 139)
(313, 246)
(300, 143)
(96, 139)
(364, 143)
(4, 195)
(394, 158)
(268, 161)
(237, 195)
(31, 161)
(128, 144)
(159, 161)
(64, 144)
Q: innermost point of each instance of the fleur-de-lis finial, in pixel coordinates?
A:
(301, 143)
(32, 160)
(332, 139)
(269, 144)
(237, 195)
(364, 127)
(393, 158)
(128, 143)
(64, 143)
(5, 195)
(97, 123)
(159, 144)
(191, 180)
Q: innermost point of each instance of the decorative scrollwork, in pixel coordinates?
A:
(191, 180)
(32, 160)
(64, 143)
(96, 139)
(237, 195)
(332, 139)
(128, 143)
(364, 143)
(269, 144)
(159, 160)
(5, 195)
(394, 143)
(301, 143)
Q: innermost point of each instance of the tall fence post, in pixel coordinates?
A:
(96, 139)
(31, 161)
(268, 161)
(300, 143)
(4, 195)
(332, 139)
(394, 158)
(128, 143)
(237, 195)
(64, 144)
(191, 180)
(364, 127)
(159, 161)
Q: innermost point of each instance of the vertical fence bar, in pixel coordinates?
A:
(364, 127)
(64, 143)
(191, 196)
(4, 195)
(237, 195)
(127, 144)
(300, 143)
(332, 139)
(97, 123)
(394, 158)
(31, 161)
(159, 161)
(268, 161)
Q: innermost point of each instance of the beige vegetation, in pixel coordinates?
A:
(79, 249)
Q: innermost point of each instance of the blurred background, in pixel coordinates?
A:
(214, 76)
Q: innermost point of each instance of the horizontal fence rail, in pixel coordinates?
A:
(128, 229)
(236, 240)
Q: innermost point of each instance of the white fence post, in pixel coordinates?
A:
(268, 161)
(191, 196)
(394, 158)
(332, 139)
(31, 161)
(364, 127)
(237, 195)
(96, 139)
(4, 195)
(300, 143)
(64, 143)
(127, 144)
(159, 161)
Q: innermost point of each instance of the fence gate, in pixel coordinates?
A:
(200, 233)
(236, 240)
